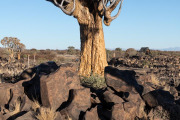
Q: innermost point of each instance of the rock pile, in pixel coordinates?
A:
(10, 71)
(55, 92)
(165, 67)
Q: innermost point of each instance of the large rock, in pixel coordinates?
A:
(10, 93)
(5, 93)
(27, 104)
(121, 80)
(80, 103)
(137, 103)
(169, 112)
(127, 111)
(43, 68)
(54, 88)
(92, 114)
(104, 113)
(148, 87)
(47, 67)
(118, 113)
(27, 74)
(32, 88)
(158, 97)
(112, 98)
(124, 84)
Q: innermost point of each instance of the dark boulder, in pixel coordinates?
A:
(92, 114)
(121, 80)
(158, 97)
(80, 103)
(47, 67)
(58, 85)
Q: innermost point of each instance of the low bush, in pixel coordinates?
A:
(94, 81)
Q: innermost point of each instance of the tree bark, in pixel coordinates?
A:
(19, 56)
(89, 14)
(34, 58)
(93, 53)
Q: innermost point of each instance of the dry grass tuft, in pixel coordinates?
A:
(35, 105)
(154, 79)
(46, 114)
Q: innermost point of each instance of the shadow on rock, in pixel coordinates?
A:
(122, 80)
(32, 87)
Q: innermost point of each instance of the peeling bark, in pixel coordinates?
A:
(93, 53)
(89, 14)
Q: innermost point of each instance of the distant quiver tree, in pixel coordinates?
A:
(13, 45)
(89, 14)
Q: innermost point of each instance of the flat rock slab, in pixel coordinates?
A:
(54, 88)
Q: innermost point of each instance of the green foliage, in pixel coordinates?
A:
(94, 81)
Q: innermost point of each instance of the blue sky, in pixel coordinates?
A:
(41, 25)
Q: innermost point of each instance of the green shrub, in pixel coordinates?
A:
(94, 81)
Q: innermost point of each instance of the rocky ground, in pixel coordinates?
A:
(9, 72)
(164, 66)
(138, 88)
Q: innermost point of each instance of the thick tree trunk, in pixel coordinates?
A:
(19, 56)
(89, 14)
(28, 60)
(93, 54)
(34, 58)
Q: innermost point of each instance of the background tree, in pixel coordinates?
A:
(20, 48)
(71, 50)
(118, 49)
(13, 46)
(34, 52)
(89, 14)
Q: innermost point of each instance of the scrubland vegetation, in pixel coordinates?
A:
(39, 89)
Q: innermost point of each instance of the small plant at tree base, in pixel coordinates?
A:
(94, 81)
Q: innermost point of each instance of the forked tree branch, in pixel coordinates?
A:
(62, 6)
(105, 4)
(105, 8)
(108, 10)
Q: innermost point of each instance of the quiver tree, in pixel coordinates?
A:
(13, 46)
(71, 50)
(19, 49)
(89, 14)
(34, 52)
